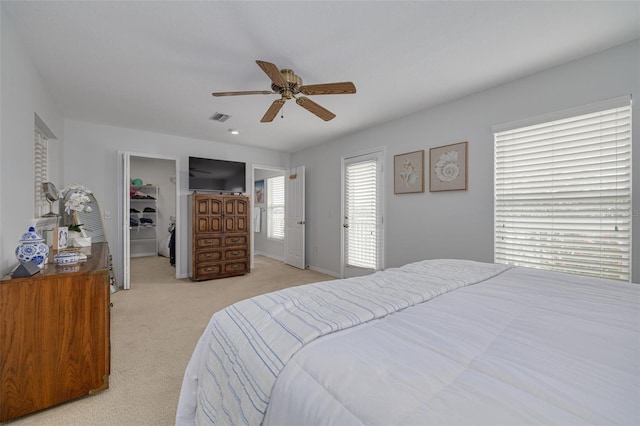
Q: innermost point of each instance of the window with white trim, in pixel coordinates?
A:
(41, 205)
(563, 192)
(275, 207)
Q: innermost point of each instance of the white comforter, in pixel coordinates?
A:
(523, 347)
(245, 346)
(526, 347)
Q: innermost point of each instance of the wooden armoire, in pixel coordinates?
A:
(219, 236)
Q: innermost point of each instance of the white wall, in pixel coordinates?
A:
(24, 94)
(91, 155)
(459, 224)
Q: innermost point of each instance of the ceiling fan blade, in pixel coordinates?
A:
(273, 72)
(272, 111)
(342, 88)
(247, 92)
(314, 108)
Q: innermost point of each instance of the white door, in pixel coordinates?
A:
(362, 208)
(294, 244)
(124, 217)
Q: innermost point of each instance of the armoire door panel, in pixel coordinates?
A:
(202, 224)
(202, 207)
(215, 224)
(242, 207)
(241, 224)
(216, 207)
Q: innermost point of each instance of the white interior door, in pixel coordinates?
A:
(124, 216)
(362, 208)
(294, 235)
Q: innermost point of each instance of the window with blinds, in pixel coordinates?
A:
(361, 240)
(40, 168)
(563, 194)
(275, 207)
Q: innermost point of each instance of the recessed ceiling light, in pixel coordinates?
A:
(234, 132)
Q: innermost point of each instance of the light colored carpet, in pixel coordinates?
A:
(154, 329)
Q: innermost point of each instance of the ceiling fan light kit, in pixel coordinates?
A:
(287, 84)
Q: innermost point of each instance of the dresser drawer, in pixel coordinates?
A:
(208, 256)
(209, 241)
(235, 253)
(235, 267)
(209, 271)
(235, 240)
(220, 270)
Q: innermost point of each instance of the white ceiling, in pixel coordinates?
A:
(153, 65)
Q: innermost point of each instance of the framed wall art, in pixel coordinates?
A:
(259, 191)
(448, 167)
(60, 237)
(408, 172)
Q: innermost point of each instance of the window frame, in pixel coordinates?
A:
(551, 245)
(277, 233)
(41, 172)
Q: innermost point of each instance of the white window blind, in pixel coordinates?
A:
(40, 168)
(275, 207)
(361, 214)
(563, 194)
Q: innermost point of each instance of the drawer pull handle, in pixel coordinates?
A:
(208, 255)
(235, 266)
(208, 241)
(235, 253)
(235, 240)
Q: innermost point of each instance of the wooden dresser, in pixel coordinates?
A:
(54, 335)
(219, 237)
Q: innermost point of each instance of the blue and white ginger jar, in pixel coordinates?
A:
(32, 248)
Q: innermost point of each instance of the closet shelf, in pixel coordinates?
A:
(143, 215)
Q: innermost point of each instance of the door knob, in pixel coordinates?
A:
(301, 222)
(345, 225)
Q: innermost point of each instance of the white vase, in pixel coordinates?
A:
(76, 239)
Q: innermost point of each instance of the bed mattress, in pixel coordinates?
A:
(521, 347)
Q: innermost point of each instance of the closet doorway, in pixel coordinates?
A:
(150, 209)
(278, 216)
(267, 212)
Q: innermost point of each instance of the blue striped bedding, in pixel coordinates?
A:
(246, 345)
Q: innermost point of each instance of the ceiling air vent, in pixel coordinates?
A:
(220, 117)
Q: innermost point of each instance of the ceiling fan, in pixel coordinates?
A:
(287, 84)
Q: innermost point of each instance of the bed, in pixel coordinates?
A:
(435, 342)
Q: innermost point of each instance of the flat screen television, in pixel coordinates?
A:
(209, 175)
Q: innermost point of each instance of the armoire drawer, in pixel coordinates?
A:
(221, 269)
(235, 267)
(235, 253)
(209, 271)
(208, 241)
(235, 240)
(208, 256)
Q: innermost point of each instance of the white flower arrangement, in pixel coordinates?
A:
(78, 199)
